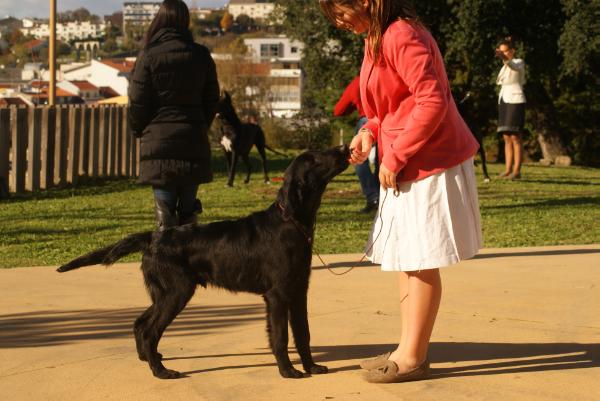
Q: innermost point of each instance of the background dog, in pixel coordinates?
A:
(464, 107)
(267, 253)
(237, 139)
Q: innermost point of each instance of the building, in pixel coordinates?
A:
(138, 15)
(284, 77)
(201, 13)
(111, 73)
(65, 32)
(256, 9)
(84, 89)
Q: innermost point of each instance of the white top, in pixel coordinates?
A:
(512, 78)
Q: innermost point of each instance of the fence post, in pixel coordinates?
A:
(94, 137)
(4, 150)
(61, 144)
(84, 144)
(103, 141)
(111, 141)
(74, 140)
(32, 182)
(19, 149)
(48, 137)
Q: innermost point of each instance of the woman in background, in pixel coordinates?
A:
(511, 107)
(173, 94)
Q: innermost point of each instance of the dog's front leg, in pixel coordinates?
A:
(234, 159)
(277, 322)
(299, 323)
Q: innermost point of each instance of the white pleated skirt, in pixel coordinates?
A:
(430, 223)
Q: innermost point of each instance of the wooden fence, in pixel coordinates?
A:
(47, 146)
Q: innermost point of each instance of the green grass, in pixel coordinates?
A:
(549, 206)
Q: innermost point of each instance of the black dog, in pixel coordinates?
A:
(267, 253)
(464, 109)
(237, 139)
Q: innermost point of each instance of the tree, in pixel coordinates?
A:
(226, 22)
(557, 38)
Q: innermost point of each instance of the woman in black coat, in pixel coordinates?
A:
(173, 94)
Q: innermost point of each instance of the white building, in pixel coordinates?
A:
(112, 73)
(65, 32)
(257, 9)
(139, 14)
(285, 77)
(84, 89)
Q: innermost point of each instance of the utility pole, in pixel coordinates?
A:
(52, 54)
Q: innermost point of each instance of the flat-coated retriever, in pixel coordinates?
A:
(267, 253)
(237, 139)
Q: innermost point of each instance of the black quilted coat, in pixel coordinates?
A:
(173, 93)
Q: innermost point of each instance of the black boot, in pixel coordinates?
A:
(165, 217)
(370, 207)
(191, 218)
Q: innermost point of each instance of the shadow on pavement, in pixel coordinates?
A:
(50, 328)
(473, 359)
(476, 359)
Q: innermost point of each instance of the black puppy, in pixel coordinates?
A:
(237, 139)
(267, 253)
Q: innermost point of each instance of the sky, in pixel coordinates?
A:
(41, 8)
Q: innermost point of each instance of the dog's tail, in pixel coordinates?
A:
(112, 253)
(274, 151)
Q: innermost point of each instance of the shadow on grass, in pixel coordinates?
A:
(51, 328)
(579, 201)
(556, 252)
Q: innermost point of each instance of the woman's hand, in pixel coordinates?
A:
(361, 146)
(387, 178)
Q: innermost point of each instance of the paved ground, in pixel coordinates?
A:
(515, 324)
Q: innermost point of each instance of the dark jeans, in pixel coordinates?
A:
(178, 198)
(369, 181)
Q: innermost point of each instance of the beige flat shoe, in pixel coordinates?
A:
(374, 363)
(389, 373)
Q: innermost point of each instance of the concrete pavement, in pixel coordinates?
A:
(515, 324)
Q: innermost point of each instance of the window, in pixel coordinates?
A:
(271, 50)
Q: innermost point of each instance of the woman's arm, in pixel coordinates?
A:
(413, 61)
(211, 92)
(515, 64)
(140, 96)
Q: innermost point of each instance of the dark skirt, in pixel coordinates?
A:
(511, 117)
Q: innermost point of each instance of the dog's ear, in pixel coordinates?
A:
(227, 96)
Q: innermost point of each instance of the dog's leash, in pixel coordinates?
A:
(310, 239)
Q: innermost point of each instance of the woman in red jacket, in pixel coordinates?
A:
(428, 207)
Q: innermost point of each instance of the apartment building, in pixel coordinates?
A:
(65, 32)
(257, 9)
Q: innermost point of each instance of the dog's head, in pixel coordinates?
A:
(225, 109)
(307, 177)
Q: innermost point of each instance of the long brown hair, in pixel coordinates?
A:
(171, 14)
(382, 13)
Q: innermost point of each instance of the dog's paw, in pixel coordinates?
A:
(317, 369)
(291, 373)
(168, 374)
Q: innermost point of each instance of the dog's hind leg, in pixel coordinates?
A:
(246, 160)
(170, 293)
(138, 328)
(277, 322)
(301, 331)
(263, 156)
